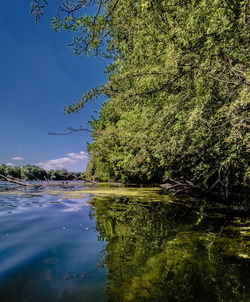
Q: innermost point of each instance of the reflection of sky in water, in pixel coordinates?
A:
(50, 249)
(74, 204)
(14, 198)
(17, 203)
(47, 244)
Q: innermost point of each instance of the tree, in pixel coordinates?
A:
(178, 89)
(16, 172)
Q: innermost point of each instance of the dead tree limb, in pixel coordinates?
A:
(70, 131)
(15, 181)
(91, 181)
(179, 186)
(185, 188)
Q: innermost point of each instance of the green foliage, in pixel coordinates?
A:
(178, 89)
(37, 8)
(178, 95)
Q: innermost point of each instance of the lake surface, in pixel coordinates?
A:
(96, 243)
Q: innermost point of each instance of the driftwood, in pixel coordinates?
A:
(91, 181)
(179, 186)
(15, 181)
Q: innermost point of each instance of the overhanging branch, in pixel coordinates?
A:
(70, 131)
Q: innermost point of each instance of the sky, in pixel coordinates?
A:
(39, 77)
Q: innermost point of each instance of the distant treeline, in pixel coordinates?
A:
(30, 172)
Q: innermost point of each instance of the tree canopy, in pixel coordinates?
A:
(178, 88)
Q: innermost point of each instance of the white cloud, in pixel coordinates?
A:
(9, 164)
(17, 158)
(81, 155)
(73, 162)
(56, 163)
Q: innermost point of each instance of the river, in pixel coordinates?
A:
(84, 243)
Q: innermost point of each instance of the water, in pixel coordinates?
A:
(79, 243)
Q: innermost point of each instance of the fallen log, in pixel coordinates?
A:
(15, 181)
(91, 181)
(185, 188)
(179, 186)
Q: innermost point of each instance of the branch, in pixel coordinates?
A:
(217, 181)
(15, 181)
(245, 16)
(68, 10)
(225, 81)
(70, 131)
(183, 186)
(244, 125)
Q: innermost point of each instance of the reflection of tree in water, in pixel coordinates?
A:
(158, 252)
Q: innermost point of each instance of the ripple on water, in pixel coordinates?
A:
(136, 245)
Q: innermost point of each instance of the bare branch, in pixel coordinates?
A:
(15, 181)
(226, 81)
(70, 131)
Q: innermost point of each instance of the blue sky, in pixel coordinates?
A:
(39, 77)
